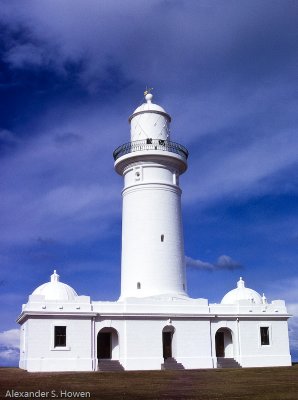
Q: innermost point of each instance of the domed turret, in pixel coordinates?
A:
(149, 121)
(55, 290)
(242, 293)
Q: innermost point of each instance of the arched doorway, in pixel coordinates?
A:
(107, 344)
(167, 340)
(224, 343)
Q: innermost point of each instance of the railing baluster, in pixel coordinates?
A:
(155, 144)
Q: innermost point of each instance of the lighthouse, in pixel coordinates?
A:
(155, 324)
(152, 258)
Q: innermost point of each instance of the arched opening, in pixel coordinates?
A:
(107, 344)
(224, 343)
(167, 340)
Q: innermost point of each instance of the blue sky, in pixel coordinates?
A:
(72, 72)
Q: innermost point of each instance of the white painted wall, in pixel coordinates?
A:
(41, 355)
(143, 343)
(193, 345)
(254, 354)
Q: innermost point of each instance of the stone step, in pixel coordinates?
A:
(110, 365)
(171, 364)
(227, 363)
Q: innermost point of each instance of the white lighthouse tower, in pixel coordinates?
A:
(153, 261)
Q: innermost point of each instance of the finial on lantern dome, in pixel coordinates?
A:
(148, 95)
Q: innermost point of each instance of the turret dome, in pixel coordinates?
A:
(242, 293)
(55, 290)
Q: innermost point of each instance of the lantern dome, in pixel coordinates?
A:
(149, 121)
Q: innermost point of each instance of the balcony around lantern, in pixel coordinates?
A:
(150, 144)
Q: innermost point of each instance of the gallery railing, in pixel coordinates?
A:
(150, 144)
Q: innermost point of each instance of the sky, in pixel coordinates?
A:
(71, 73)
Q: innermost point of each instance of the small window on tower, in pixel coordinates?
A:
(137, 176)
(162, 238)
(60, 336)
(264, 331)
(138, 285)
(137, 173)
(149, 141)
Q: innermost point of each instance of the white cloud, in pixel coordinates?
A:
(9, 346)
(287, 289)
(293, 326)
(242, 165)
(223, 262)
(241, 171)
(63, 188)
(103, 32)
(10, 338)
(9, 355)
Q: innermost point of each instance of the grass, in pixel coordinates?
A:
(216, 384)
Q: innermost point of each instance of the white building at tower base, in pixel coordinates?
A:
(155, 324)
(135, 331)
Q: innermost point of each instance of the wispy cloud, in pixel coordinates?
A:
(64, 32)
(223, 262)
(240, 164)
(9, 347)
(52, 182)
(10, 338)
(286, 288)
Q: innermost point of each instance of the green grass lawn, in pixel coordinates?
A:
(216, 384)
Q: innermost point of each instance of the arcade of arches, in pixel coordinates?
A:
(108, 343)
